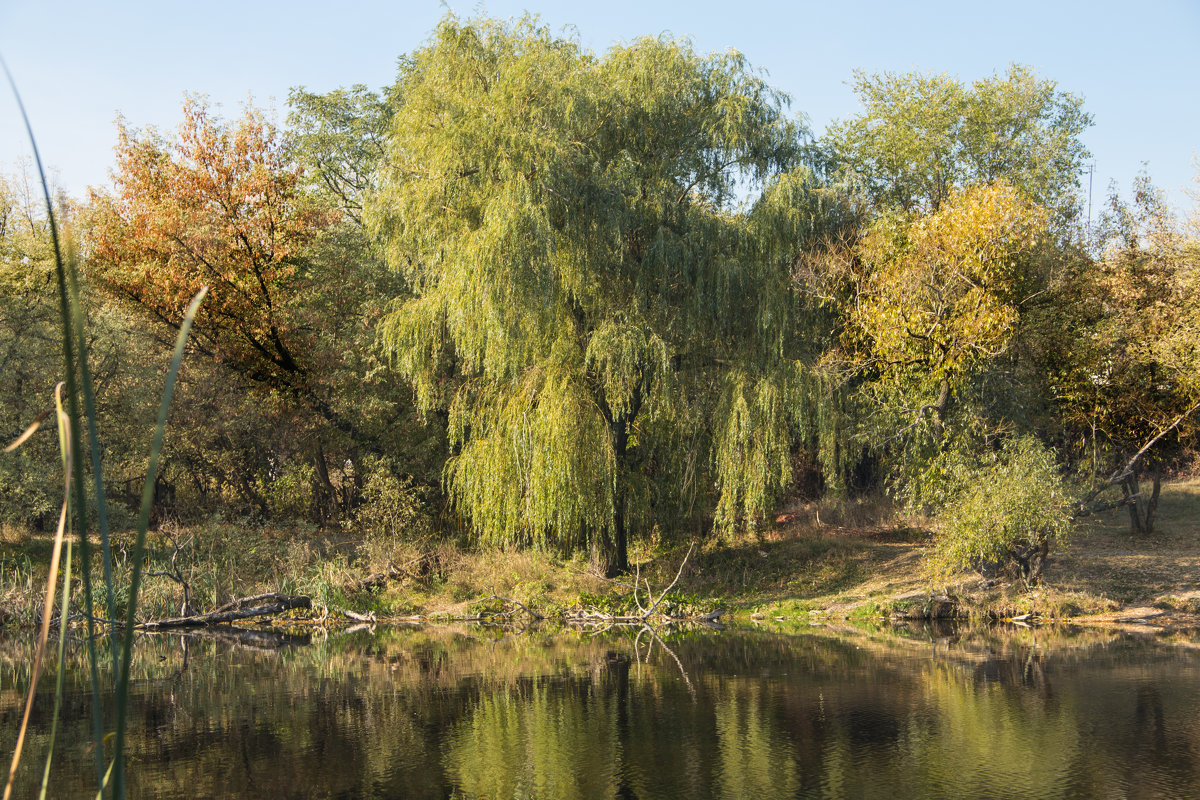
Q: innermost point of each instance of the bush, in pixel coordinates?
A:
(392, 514)
(391, 506)
(1005, 512)
(290, 494)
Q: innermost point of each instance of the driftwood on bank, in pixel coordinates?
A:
(644, 612)
(533, 614)
(245, 608)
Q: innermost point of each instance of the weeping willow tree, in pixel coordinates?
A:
(609, 332)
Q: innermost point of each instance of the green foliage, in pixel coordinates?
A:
(30, 356)
(565, 222)
(339, 138)
(289, 494)
(391, 506)
(752, 446)
(1005, 509)
(534, 464)
(922, 136)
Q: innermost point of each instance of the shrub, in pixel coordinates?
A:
(391, 506)
(290, 494)
(1005, 512)
(392, 514)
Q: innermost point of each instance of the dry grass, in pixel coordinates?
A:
(1154, 576)
(847, 559)
(448, 580)
(868, 560)
(1106, 558)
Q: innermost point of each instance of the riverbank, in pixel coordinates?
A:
(816, 561)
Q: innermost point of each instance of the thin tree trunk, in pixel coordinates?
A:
(1152, 503)
(613, 555)
(326, 494)
(618, 561)
(1133, 499)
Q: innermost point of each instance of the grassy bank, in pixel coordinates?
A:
(856, 560)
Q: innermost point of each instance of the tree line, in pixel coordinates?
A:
(540, 296)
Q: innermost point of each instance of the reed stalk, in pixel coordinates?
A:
(78, 387)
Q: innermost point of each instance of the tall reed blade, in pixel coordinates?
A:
(89, 410)
(64, 444)
(63, 616)
(47, 612)
(68, 303)
(29, 431)
(118, 774)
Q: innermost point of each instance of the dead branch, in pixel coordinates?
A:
(516, 603)
(1130, 465)
(1127, 470)
(678, 574)
(176, 574)
(243, 608)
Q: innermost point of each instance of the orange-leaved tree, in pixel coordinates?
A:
(218, 205)
(294, 295)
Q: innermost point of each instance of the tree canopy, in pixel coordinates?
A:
(583, 278)
(220, 206)
(627, 291)
(920, 137)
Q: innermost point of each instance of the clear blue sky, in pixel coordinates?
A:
(79, 64)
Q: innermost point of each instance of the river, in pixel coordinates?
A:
(469, 712)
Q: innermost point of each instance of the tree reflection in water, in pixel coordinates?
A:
(472, 713)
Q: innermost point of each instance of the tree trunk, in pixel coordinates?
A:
(1152, 503)
(245, 608)
(325, 498)
(1142, 509)
(620, 562)
(1134, 501)
(611, 554)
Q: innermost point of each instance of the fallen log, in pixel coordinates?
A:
(245, 608)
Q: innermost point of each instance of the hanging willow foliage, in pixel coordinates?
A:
(604, 324)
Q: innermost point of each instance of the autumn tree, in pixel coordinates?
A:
(942, 293)
(295, 295)
(1129, 374)
(217, 206)
(605, 329)
(938, 303)
(966, 195)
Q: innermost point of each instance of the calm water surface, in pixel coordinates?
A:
(478, 713)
